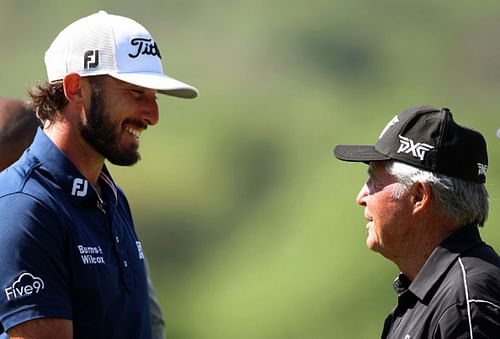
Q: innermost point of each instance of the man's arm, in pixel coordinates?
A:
(157, 322)
(481, 320)
(46, 328)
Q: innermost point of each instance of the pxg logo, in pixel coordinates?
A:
(25, 285)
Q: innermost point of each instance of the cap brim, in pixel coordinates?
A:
(358, 153)
(162, 83)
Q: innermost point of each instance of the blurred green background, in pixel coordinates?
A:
(248, 221)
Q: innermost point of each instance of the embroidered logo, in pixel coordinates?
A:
(139, 249)
(418, 150)
(91, 255)
(91, 59)
(407, 336)
(144, 47)
(391, 123)
(79, 187)
(482, 169)
(25, 285)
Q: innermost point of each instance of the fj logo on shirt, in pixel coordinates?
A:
(418, 150)
(79, 187)
(139, 249)
(25, 285)
(482, 168)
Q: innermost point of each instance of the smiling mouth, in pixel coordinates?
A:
(134, 132)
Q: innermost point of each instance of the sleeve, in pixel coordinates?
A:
(157, 322)
(33, 274)
(480, 321)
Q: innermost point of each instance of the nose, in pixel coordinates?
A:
(151, 112)
(363, 193)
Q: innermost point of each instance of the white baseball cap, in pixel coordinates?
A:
(114, 45)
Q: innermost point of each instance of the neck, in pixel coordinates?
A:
(76, 149)
(420, 246)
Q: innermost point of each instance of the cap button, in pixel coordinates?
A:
(445, 109)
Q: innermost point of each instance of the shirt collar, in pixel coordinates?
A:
(64, 172)
(442, 258)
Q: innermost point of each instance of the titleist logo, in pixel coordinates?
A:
(144, 46)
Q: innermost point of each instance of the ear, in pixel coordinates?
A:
(421, 195)
(72, 84)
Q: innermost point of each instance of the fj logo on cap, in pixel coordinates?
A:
(418, 150)
(91, 59)
(482, 169)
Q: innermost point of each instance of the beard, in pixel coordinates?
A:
(101, 132)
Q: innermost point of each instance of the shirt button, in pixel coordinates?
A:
(125, 263)
(117, 239)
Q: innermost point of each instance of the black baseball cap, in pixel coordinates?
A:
(427, 138)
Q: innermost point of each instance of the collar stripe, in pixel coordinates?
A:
(110, 183)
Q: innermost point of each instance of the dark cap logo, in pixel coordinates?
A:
(91, 59)
(144, 47)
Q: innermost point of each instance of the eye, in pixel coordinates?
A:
(137, 93)
(374, 185)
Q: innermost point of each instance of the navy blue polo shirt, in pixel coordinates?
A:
(66, 252)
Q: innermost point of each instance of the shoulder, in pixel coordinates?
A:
(480, 271)
(16, 177)
(472, 292)
(28, 202)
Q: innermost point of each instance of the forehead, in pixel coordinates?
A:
(116, 83)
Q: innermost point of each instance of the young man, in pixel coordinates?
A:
(71, 265)
(18, 125)
(424, 200)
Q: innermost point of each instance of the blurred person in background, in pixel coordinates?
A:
(71, 264)
(18, 125)
(424, 200)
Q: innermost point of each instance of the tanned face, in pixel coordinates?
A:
(118, 113)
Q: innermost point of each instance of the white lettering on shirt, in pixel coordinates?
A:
(91, 255)
(25, 285)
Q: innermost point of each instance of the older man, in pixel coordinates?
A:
(424, 200)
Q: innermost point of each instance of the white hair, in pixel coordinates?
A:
(464, 202)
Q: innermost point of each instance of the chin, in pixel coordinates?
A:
(372, 245)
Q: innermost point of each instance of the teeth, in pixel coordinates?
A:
(136, 133)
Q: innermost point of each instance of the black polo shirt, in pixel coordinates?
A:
(456, 294)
